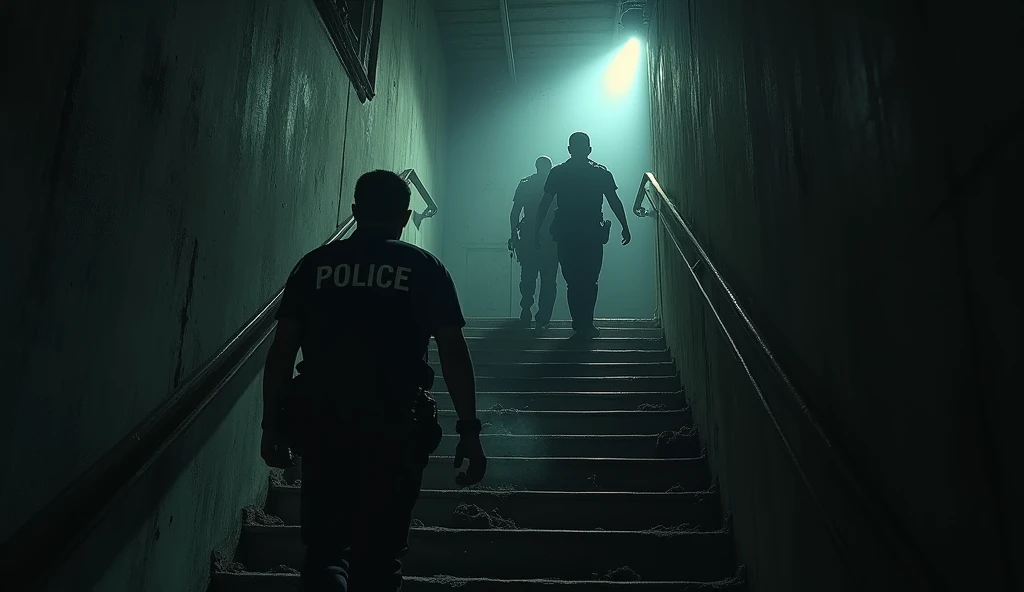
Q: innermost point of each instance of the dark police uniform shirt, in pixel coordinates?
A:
(580, 186)
(528, 194)
(369, 304)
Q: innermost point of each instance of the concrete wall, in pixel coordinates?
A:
(165, 165)
(853, 169)
(498, 129)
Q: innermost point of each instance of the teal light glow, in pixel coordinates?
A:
(621, 73)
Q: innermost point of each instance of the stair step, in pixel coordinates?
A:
(547, 509)
(577, 474)
(527, 340)
(698, 556)
(574, 423)
(609, 446)
(497, 322)
(559, 332)
(571, 474)
(562, 369)
(569, 401)
(560, 356)
(602, 384)
(279, 582)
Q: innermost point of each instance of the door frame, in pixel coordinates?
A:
(502, 248)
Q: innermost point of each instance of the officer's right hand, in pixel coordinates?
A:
(275, 452)
(626, 236)
(469, 448)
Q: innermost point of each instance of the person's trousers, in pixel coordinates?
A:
(357, 503)
(542, 263)
(581, 266)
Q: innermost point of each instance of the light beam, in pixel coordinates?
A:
(621, 73)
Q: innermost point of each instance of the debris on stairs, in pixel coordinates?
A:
(596, 479)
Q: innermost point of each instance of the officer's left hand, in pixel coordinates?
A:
(274, 452)
(626, 236)
(469, 448)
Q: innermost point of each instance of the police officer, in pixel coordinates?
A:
(363, 310)
(534, 262)
(579, 229)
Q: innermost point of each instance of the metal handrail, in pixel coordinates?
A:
(410, 176)
(662, 205)
(31, 556)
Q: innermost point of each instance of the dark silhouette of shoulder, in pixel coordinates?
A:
(597, 165)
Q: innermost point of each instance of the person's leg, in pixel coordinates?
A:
(327, 508)
(590, 261)
(548, 287)
(527, 286)
(382, 539)
(568, 258)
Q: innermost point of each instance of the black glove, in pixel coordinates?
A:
(469, 448)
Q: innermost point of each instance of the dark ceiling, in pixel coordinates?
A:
(546, 35)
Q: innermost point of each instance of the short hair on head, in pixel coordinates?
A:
(542, 160)
(579, 140)
(382, 194)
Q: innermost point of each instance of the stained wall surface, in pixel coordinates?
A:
(165, 165)
(853, 171)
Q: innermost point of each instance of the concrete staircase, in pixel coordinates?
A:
(595, 479)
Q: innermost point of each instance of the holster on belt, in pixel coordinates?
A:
(314, 405)
(427, 430)
(585, 229)
(296, 414)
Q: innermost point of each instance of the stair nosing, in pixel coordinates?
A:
(664, 496)
(580, 413)
(678, 392)
(460, 580)
(582, 458)
(261, 528)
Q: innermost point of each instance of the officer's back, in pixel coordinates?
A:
(372, 299)
(581, 185)
(362, 310)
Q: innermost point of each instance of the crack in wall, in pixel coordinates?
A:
(186, 307)
(344, 145)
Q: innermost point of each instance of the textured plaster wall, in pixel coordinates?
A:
(165, 165)
(853, 170)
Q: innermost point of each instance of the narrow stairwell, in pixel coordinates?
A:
(595, 479)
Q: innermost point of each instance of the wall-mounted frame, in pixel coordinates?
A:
(354, 29)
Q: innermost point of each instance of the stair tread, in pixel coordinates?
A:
(582, 459)
(516, 339)
(587, 436)
(473, 584)
(511, 553)
(518, 532)
(653, 496)
(643, 364)
(624, 383)
(571, 377)
(576, 413)
(636, 394)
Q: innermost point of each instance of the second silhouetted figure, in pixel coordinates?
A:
(579, 227)
(541, 262)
